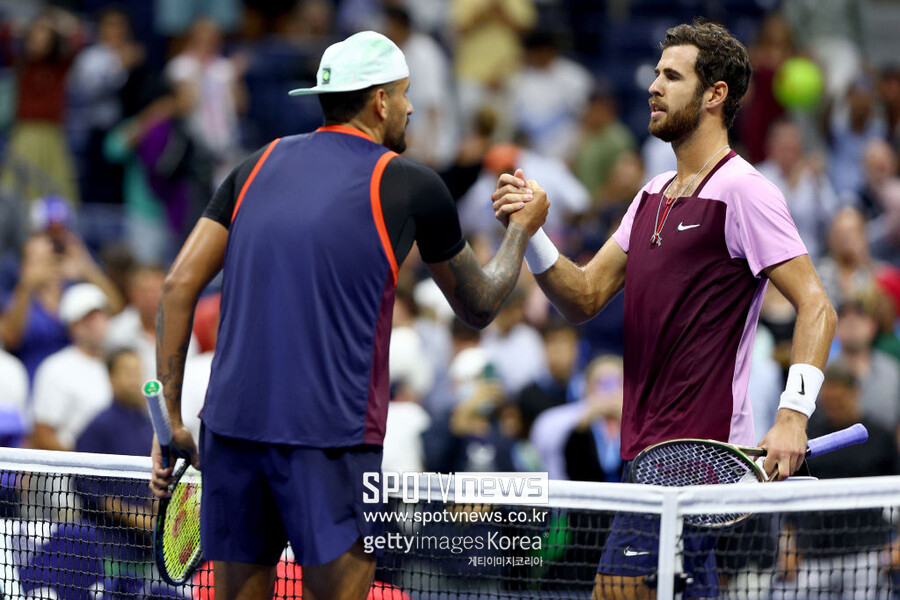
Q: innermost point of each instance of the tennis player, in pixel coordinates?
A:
(310, 232)
(694, 253)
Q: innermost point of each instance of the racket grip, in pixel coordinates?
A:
(855, 434)
(159, 416)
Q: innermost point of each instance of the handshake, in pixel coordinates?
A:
(520, 201)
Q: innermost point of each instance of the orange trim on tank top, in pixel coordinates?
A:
(253, 173)
(347, 130)
(377, 214)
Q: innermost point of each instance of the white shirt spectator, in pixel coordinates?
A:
(518, 356)
(403, 450)
(125, 331)
(193, 390)
(548, 104)
(432, 141)
(13, 395)
(812, 202)
(70, 388)
(213, 122)
(549, 433)
(95, 80)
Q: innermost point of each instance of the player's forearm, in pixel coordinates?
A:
(814, 331)
(173, 334)
(478, 293)
(565, 285)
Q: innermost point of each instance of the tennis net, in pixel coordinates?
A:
(77, 526)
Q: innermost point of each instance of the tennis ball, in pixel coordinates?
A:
(798, 84)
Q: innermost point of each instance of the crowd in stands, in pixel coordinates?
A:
(120, 120)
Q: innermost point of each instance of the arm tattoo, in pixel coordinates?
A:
(169, 369)
(481, 292)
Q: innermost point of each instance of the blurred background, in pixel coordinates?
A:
(118, 121)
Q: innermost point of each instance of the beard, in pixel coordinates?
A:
(679, 124)
(395, 136)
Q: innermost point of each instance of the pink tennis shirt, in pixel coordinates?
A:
(692, 303)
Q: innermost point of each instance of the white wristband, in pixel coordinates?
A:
(541, 254)
(802, 388)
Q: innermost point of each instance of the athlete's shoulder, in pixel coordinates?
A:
(414, 174)
(656, 185)
(737, 180)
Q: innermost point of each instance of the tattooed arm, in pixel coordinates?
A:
(475, 293)
(198, 262)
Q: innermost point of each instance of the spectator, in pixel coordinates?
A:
(72, 386)
(592, 447)
(836, 553)
(40, 160)
(889, 94)
(407, 420)
(432, 135)
(135, 326)
(30, 325)
(124, 426)
(774, 44)
(848, 267)
(439, 402)
(121, 511)
(879, 166)
(13, 397)
(472, 439)
(604, 140)
(878, 373)
(96, 85)
(853, 125)
(514, 347)
(488, 49)
(884, 231)
(211, 84)
(550, 95)
(801, 178)
(552, 388)
(569, 196)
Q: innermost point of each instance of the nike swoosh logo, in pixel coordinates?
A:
(802, 387)
(683, 227)
(629, 551)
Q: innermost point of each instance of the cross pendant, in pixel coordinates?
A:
(656, 239)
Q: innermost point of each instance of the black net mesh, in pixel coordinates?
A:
(85, 537)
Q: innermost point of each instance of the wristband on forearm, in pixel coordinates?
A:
(802, 388)
(540, 254)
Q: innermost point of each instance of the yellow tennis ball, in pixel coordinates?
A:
(799, 84)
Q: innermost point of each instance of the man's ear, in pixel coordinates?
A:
(718, 93)
(381, 102)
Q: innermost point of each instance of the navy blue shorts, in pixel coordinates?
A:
(632, 550)
(257, 496)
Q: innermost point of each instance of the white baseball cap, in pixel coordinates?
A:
(79, 301)
(362, 60)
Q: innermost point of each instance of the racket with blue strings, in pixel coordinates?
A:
(176, 536)
(684, 462)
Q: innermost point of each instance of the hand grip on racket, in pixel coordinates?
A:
(159, 416)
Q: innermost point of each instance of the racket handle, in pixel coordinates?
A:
(855, 434)
(159, 416)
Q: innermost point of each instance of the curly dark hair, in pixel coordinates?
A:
(721, 58)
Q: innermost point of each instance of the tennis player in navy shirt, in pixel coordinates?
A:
(310, 232)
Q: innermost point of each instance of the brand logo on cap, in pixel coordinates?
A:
(326, 75)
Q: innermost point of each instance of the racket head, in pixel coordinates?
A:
(683, 462)
(176, 535)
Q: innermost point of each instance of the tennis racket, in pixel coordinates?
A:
(176, 535)
(707, 462)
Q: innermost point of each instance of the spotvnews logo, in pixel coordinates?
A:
(466, 488)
